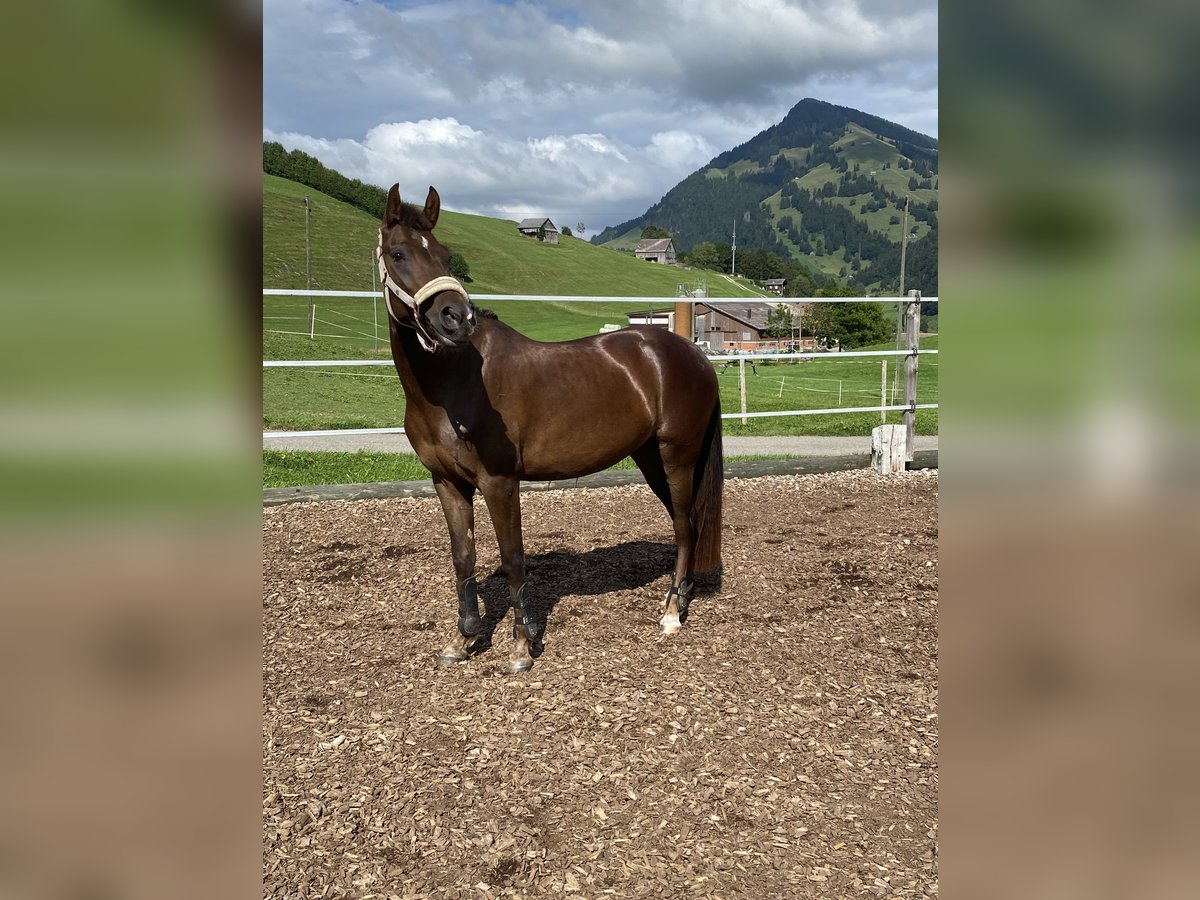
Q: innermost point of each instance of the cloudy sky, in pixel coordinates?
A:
(583, 111)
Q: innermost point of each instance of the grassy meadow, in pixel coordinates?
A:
(503, 262)
(286, 468)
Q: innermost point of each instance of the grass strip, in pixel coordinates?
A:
(303, 468)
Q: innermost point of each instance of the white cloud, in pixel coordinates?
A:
(600, 108)
(568, 177)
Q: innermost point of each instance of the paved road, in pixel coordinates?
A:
(734, 446)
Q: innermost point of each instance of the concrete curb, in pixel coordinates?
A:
(751, 468)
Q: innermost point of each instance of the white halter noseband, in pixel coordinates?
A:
(427, 290)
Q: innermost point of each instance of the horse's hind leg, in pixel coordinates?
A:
(460, 519)
(678, 468)
(650, 461)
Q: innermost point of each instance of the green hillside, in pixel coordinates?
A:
(501, 261)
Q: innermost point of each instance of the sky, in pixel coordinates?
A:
(577, 110)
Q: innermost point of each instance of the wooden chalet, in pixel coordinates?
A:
(656, 250)
(530, 228)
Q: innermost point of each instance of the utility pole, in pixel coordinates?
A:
(733, 260)
(312, 310)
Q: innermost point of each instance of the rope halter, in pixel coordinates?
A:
(414, 301)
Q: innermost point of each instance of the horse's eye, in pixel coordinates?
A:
(397, 256)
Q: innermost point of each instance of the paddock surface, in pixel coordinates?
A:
(783, 745)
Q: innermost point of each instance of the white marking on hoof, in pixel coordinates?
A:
(516, 667)
(669, 624)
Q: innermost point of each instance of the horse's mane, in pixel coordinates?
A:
(485, 313)
(413, 217)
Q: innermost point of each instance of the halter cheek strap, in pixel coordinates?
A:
(413, 301)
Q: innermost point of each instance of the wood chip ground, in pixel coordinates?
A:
(783, 745)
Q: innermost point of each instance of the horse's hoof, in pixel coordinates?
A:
(446, 660)
(516, 667)
(670, 625)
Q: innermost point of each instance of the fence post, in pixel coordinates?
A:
(912, 319)
(374, 300)
(887, 449)
(742, 386)
(883, 392)
(312, 306)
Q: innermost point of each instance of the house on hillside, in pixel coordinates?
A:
(733, 326)
(530, 228)
(656, 250)
(775, 285)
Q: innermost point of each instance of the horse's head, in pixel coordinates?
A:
(415, 271)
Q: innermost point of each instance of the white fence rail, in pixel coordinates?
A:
(741, 358)
(653, 301)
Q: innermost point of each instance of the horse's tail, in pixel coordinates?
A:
(709, 480)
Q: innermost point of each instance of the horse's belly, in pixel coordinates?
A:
(584, 448)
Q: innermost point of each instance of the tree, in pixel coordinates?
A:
(458, 266)
(580, 228)
(541, 234)
(848, 325)
(707, 255)
(567, 231)
(779, 322)
(653, 231)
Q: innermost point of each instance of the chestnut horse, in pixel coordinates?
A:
(488, 407)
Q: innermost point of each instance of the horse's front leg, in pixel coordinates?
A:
(460, 519)
(503, 498)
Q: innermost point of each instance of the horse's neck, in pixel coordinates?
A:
(430, 377)
(413, 361)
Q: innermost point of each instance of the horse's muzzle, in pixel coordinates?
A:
(449, 318)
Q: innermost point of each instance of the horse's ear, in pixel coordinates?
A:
(433, 206)
(391, 214)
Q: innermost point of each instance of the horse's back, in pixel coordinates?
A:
(581, 405)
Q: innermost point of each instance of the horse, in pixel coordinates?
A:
(488, 407)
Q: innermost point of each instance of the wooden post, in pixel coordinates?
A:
(912, 319)
(883, 392)
(888, 449)
(742, 387)
(684, 315)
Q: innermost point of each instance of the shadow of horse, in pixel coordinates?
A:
(557, 574)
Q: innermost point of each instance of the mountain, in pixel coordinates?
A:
(826, 185)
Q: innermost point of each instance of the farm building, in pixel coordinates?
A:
(730, 326)
(530, 228)
(775, 285)
(656, 250)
